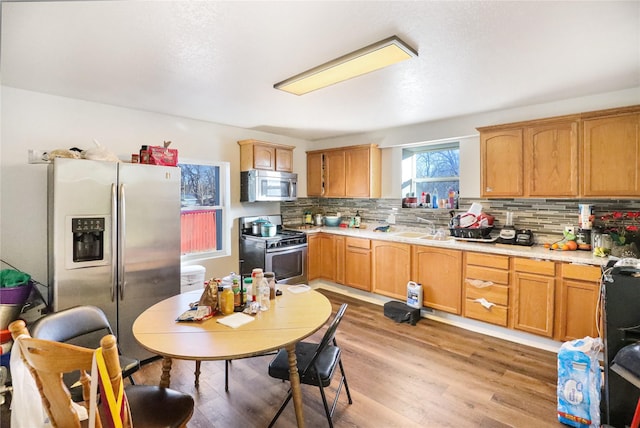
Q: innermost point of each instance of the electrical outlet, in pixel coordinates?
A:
(569, 229)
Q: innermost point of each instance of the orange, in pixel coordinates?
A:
(554, 246)
(572, 245)
(547, 245)
(565, 247)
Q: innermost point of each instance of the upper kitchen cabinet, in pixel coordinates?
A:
(611, 163)
(501, 162)
(344, 172)
(551, 159)
(532, 159)
(255, 154)
(594, 154)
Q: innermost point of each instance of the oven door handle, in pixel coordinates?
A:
(290, 248)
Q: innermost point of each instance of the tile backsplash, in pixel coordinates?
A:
(545, 217)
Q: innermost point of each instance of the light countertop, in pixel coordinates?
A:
(396, 235)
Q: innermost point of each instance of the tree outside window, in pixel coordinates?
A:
(203, 198)
(429, 169)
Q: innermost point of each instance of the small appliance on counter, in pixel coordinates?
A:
(512, 236)
(508, 232)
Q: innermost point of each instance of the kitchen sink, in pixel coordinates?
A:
(409, 234)
(437, 238)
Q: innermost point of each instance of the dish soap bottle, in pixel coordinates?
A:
(356, 220)
(434, 199)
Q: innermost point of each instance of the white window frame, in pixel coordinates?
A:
(225, 206)
(409, 179)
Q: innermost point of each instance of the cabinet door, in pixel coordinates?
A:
(533, 306)
(390, 268)
(358, 267)
(440, 273)
(328, 266)
(264, 157)
(358, 173)
(611, 162)
(551, 159)
(314, 174)
(284, 160)
(578, 305)
(313, 257)
(501, 163)
(339, 261)
(334, 173)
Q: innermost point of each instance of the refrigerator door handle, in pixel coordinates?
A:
(121, 237)
(114, 242)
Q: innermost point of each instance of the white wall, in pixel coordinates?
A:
(40, 121)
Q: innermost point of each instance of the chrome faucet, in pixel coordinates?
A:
(424, 220)
(432, 226)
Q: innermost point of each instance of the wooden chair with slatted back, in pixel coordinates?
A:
(147, 406)
(48, 361)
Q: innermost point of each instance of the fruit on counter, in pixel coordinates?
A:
(600, 252)
(567, 243)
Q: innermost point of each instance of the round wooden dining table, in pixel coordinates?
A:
(296, 314)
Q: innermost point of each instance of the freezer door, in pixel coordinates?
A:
(149, 244)
(81, 190)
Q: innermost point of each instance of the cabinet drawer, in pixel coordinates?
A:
(359, 243)
(581, 272)
(494, 315)
(487, 274)
(488, 260)
(498, 294)
(541, 267)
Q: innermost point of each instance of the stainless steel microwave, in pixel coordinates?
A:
(257, 185)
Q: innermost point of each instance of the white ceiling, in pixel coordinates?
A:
(218, 60)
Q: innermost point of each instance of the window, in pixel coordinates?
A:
(204, 199)
(431, 168)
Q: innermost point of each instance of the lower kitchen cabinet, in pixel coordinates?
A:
(439, 271)
(533, 295)
(390, 268)
(576, 316)
(325, 259)
(486, 288)
(339, 258)
(551, 299)
(357, 265)
(313, 257)
(328, 257)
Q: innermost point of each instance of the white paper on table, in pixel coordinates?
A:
(236, 320)
(299, 288)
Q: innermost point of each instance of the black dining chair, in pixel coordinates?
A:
(82, 326)
(316, 364)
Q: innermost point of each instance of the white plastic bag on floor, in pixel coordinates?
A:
(579, 383)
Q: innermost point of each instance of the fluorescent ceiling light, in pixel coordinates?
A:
(373, 57)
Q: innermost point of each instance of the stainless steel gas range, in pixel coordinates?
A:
(285, 254)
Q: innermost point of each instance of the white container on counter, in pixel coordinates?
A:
(191, 278)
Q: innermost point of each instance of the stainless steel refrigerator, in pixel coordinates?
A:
(114, 239)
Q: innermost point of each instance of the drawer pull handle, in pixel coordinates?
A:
(485, 303)
(478, 283)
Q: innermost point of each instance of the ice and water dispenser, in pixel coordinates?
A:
(87, 241)
(88, 238)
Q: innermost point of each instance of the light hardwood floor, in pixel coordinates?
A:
(428, 375)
